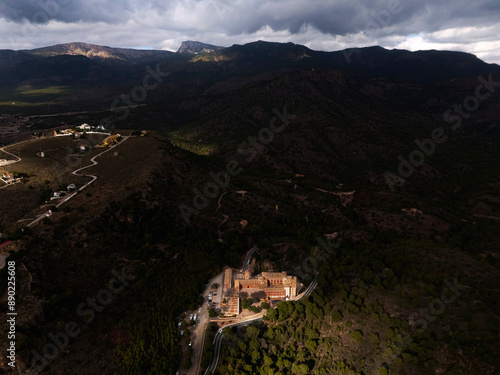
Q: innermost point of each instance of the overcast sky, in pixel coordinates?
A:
(464, 25)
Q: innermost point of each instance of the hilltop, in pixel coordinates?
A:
(194, 47)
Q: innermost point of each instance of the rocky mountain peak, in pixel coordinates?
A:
(194, 47)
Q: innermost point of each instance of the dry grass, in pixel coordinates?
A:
(117, 175)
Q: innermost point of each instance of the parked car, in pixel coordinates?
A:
(182, 333)
(191, 317)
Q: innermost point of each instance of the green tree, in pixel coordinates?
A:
(336, 316)
(272, 314)
(282, 308)
(252, 332)
(311, 345)
(243, 346)
(300, 369)
(389, 333)
(270, 333)
(187, 363)
(268, 361)
(356, 335)
(255, 355)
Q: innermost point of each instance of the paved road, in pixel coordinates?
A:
(218, 339)
(219, 334)
(309, 290)
(11, 154)
(198, 332)
(247, 259)
(75, 172)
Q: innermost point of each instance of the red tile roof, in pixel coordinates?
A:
(5, 244)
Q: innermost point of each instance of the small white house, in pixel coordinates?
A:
(84, 126)
(8, 178)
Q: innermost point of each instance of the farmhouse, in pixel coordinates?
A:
(58, 195)
(84, 127)
(62, 132)
(8, 178)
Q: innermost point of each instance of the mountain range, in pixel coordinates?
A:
(391, 154)
(81, 62)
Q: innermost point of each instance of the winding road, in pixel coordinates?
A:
(11, 154)
(218, 340)
(218, 336)
(248, 257)
(75, 173)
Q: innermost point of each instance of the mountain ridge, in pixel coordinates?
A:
(393, 73)
(195, 47)
(99, 53)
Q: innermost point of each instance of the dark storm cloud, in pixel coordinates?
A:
(431, 16)
(333, 17)
(401, 17)
(42, 11)
(321, 24)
